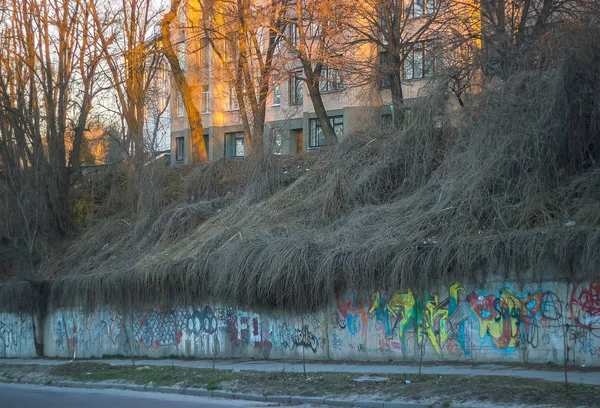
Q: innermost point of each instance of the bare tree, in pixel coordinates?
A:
(199, 152)
(125, 34)
(315, 38)
(47, 83)
(396, 29)
(244, 36)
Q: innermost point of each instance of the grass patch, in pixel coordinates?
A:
(445, 390)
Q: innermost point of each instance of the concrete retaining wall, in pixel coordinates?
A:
(16, 336)
(499, 322)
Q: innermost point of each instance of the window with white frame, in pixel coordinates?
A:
(331, 80)
(179, 148)
(420, 8)
(277, 141)
(162, 73)
(234, 144)
(278, 41)
(182, 15)
(204, 102)
(204, 54)
(420, 61)
(276, 90)
(296, 88)
(294, 34)
(181, 51)
(180, 105)
(385, 69)
(232, 101)
(231, 46)
(317, 137)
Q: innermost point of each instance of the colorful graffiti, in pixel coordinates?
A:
(506, 318)
(105, 324)
(69, 335)
(454, 323)
(158, 329)
(585, 305)
(450, 325)
(354, 318)
(435, 320)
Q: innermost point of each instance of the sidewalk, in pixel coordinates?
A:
(547, 373)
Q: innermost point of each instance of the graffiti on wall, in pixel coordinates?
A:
(352, 315)
(203, 321)
(105, 324)
(160, 329)
(455, 323)
(243, 331)
(429, 317)
(303, 337)
(15, 331)
(72, 333)
(585, 305)
(156, 328)
(507, 318)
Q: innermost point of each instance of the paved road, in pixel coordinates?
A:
(582, 377)
(35, 396)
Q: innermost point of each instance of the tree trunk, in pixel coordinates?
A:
(78, 135)
(397, 96)
(321, 112)
(259, 126)
(59, 198)
(199, 153)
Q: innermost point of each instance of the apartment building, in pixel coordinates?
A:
(291, 124)
(157, 123)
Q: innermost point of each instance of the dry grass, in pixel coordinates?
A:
(456, 195)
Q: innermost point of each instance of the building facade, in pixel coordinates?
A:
(291, 126)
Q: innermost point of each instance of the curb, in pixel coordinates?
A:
(201, 392)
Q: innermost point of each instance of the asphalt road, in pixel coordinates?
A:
(34, 396)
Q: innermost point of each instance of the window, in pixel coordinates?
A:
(205, 99)
(232, 102)
(317, 138)
(204, 55)
(180, 106)
(162, 73)
(276, 91)
(385, 69)
(181, 50)
(420, 61)
(384, 29)
(331, 80)
(206, 143)
(277, 141)
(420, 8)
(296, 89)
(277, 49)
(179, 148)
(294, 35)
(231, 46)
(182, 15)
(161, 102)
(234, 144)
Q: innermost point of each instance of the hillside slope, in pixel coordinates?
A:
(510, 182)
